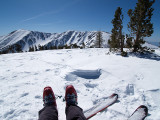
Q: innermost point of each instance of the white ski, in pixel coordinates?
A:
(100, 106)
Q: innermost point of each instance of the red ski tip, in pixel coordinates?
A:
(114, 95)
(145, 109)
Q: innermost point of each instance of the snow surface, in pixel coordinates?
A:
(148, 45)
(95, 73)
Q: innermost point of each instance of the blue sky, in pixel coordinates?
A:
(62, 15)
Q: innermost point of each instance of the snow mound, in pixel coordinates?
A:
(85, 74)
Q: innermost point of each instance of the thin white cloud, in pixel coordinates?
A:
(28, 19)
(40, 15)
(51, 12)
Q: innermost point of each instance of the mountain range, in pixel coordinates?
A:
(27, 39)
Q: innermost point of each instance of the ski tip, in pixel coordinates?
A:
(114, 95)
(141, 112)
(145, 109)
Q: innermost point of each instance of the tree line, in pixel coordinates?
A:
(139, 26)
(16, 48)
(11, 49)
(52, 47)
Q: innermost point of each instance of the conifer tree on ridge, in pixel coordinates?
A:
(117, 38)
(140, 22)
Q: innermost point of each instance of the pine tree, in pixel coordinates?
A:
(129, 43)
(140, 22)
(39, 47)
(117, 38)
(74, 45)
(36, 49)
(99, 40)
(18, 48)
(31, 49)
(66, 46)
(45, 48)
(83, 45)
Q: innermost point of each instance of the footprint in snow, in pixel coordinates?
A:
(1, 101)
(27, 104)
(24, 94)
(9, 113)
(88, 85)
(47, 70)
(139, 77)
(57, 71)
(38, 97)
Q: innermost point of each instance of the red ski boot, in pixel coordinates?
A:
(48, 97)
(71, 96)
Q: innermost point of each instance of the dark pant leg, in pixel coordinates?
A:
(74, 113)
(48, 113)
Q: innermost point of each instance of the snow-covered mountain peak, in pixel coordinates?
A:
(26, 38)
(12, 38)
(22, 30)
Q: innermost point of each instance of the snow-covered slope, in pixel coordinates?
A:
(95, 73)
(150, 45)
(12, 38)
(27, 38)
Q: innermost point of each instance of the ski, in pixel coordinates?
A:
(140, 113)
(100, 106)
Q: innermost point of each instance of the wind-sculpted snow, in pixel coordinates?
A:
(94, 73)
(86, 74)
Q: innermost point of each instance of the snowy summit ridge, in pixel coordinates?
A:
(26, 38)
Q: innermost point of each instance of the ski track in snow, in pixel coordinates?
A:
(93, 72)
